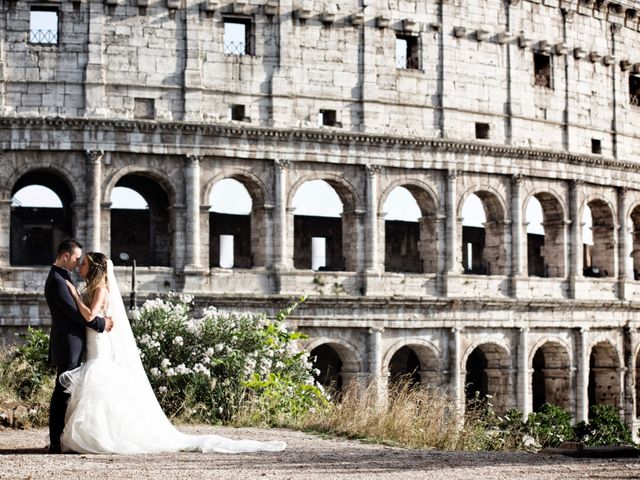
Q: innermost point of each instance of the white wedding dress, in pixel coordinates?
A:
(113, 409)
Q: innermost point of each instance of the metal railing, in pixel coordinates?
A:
(634, 100)
(542, 80)
(235, 48)
(48, 37)
(402, 62)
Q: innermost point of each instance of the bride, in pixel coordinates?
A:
(112, 408)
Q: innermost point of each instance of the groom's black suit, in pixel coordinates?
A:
(66, 342)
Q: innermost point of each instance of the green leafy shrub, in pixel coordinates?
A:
(604, 428)
(550, 426)
(25, 375)
(209, 368)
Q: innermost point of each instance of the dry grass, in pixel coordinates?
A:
(412, 417)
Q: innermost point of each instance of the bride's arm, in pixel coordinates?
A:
(98, 299)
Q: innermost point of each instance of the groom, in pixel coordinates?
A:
(67, 338)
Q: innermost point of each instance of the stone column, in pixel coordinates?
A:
(516, 225)
(5, 232)
(582, 374)
(456, 384)
(192, 184)
(94, 75)
(575, 248)
(623, 253)
(452, 249)
(193, 103)
(94, 193)
(371, 236)
(376, 380)
(524, 377)
(282, 255)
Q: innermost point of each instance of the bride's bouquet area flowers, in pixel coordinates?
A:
(219, 366)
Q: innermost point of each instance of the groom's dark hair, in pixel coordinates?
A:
(67, 246)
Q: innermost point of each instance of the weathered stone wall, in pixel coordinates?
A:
(133, 94)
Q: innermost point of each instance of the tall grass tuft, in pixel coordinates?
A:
(412, 417)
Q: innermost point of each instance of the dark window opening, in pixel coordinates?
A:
(407, 52)
(328, 362)
(143, 234)
(237, 36)
(473, 240)
(329, 118)
(535, 258)
(634, 90)
(238, 113)
(36, 231)
(596, 146)
(43, 25)
(482, 131)
(225, 252)
(402, 253)
(144, 108)
(404, 367)
(542, 70)
(305, 229)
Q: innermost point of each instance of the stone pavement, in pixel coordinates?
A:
(306, 457)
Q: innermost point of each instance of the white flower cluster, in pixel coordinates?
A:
(178, 341)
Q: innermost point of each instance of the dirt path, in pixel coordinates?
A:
(306, 457)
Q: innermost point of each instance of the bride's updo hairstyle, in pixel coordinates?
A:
(97, 274)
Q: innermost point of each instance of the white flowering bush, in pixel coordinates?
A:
(209, 367)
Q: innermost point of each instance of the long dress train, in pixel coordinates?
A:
(113, 409)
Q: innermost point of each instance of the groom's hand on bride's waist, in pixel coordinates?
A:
(108, 324)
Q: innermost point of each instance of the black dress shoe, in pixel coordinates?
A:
(54, 449)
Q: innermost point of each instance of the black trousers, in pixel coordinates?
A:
(58, 407)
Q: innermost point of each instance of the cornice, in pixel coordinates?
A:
(329, 136)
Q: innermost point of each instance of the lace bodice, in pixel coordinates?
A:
(98, 344)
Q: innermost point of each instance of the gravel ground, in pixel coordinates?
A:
(306, 457)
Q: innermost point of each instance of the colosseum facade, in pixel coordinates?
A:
(506, 101)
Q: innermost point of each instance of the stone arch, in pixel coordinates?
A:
(413, 357)
(488, 244)
(488, 371)
(550, 251)
(336, 374)
(425, 194)
(35, 232)
(249, 232)
(150, 234)
(604, 374)
(633, 214)
(599, 259)
(260, 194)
(550, 363)
(341, 235)
(411, 247)
(60, 171)
(165, 181)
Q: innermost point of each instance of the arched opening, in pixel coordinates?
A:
(637, 375)
(535, 240)
(328, 365)
(488, 375)
(318, 228)
(140, 222)
(604, 378)
(598, 240)
(230, 225)
(545, 236)
(404, 367)
(550, 380)
(483, 244)
(41, 217)
(410, 231)
(635, 242)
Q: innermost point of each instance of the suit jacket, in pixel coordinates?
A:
(68, 334)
